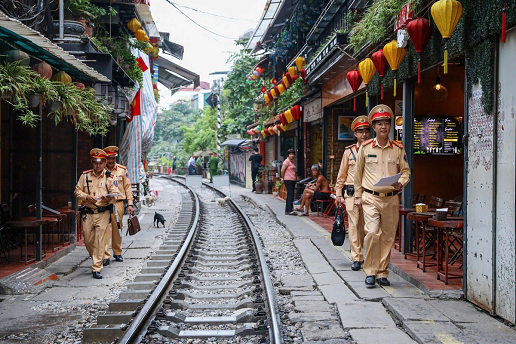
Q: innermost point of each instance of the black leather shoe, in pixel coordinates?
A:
(383, 281)
(105, 262)
(97, 275)
(369, 282)
(356, 265)
(119, 258)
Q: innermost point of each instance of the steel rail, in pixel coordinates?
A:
(276, 337)
(134, 332)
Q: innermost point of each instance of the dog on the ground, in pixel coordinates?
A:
(149, 200)
(222, 201)
(158, 218)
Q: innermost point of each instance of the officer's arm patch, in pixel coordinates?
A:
(115, 183)
(405, 158)
(127, 175)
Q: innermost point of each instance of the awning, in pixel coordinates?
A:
(33, 43)
(176, 69)
(171, 81)
(269, 12)
(145, 15)
(233, 142)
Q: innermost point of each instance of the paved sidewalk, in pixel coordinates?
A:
(400, 313)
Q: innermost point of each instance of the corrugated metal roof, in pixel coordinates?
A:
(32, 42)
(269, 13)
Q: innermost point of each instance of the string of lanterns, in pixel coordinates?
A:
(152, 43)
(285, 118)
(288, 80)
(446, 15)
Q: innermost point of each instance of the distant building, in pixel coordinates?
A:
(246, 34)
(196, 96)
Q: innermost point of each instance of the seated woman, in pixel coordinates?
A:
(314, 191)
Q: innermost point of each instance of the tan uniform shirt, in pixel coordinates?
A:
(375, 162)
(347, 169)
(97, 188)
(124, 183)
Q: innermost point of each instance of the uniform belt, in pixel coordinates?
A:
(382, 194)
(121, 200)
(97, 210)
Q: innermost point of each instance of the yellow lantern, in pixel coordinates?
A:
(134, 25)
(273, 92)
(140, 35)
(266, 98)
(281, 88)
(446, 14)
(274, 129)
(367, 71)
(148, 49)
(62, 77)
(285, 82)
(288, 116)
(300, 62)
(292, 71)
(394, 56)
(285, 127)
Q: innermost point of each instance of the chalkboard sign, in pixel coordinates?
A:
(435, 135)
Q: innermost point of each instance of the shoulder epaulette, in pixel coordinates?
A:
(365, 143)
(350, 146)
(112, 175)
(396, 143)
(122, 166)
(86, 171)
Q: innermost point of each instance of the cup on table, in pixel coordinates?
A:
(421, 208)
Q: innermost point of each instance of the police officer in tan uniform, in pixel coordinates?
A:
(379, 158)
(92, 190)
(124, 186)
(345, 190)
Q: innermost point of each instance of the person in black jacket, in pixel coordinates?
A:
(256, 163)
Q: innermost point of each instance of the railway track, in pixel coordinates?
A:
(208, 281)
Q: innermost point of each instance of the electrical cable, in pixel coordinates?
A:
(213, 14)
(170, 2)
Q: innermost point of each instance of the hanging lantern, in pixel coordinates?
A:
(154, 41)
(274, 81)
(288, 116)
(446, 14)
(134, 25)
(278, 126)
(140, 35)
(249, 132)
(260, 69)
(43, 69)
(80, 85)
(296, 112)
(62, 77)
(265, 132)
(285, 127)
(270, 96)
(420, 30)
(355, 80)
(282, 118)
(148, 49)
(266, 98)
(292, 71)
(276, 89)
(303, 74)
(300, 62)
(281, 88)
(19, 56)
(263, 89)
(274, 94)
(380, 63)
(285, 82)
(289, 79)
(367, 71)
(394, 56)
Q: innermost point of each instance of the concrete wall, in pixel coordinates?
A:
(505, 174)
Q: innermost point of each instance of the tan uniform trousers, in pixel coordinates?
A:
(356, 228)
(116, 239)
(381, 216)
(95, 229)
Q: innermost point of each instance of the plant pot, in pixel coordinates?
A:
(259, 187)
(72, 28)
(268, 187)
(88, 30)
(33, 99)
(275, 193)
(54, 106)
(7, 95)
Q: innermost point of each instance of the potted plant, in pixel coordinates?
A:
(277, 187)
(268, 184)
(258, 185)
(80, 15)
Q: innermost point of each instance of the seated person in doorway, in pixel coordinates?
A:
(314, 191)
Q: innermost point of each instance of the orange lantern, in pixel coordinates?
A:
(140, 35)
(292, 71)
(300, 62)
(394, 56)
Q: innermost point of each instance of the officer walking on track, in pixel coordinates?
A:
(345, 190)
(124, 186)
(93, 189)
(379, 158)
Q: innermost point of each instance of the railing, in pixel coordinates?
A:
(337, 40)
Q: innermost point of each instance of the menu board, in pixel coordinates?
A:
(436, 135)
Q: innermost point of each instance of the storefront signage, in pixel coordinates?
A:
(404, 17)
(312, 110)
(337, 88)
(437, 135)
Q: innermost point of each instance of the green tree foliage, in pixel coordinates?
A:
(201, 135)
(171, 120)
(239, 93)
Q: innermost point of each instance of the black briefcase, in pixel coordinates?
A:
(338, 232)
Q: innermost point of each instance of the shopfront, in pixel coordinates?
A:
(313, 133)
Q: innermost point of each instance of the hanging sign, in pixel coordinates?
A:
(404, 17)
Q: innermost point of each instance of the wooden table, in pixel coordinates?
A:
(403, 241)
(445, 228)
(420, 221)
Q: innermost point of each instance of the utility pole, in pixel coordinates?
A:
(219, 99)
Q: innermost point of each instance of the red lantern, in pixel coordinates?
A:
(380, 63)
(154, 40)
(43, 69)
(282, 119)
(355, 80)
(274, 81)
(276, 90)
(289, 78)
(420, 30)
(294, 78)
(266, 132)
(80, 86)
(303, 74)
(279, 128)
(296, 112)
(269, 94)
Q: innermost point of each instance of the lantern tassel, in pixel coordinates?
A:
(382, 90)
(366, 99)
(504, 24)
(354, 104)
(446, 61)
(419, 71)
(395, 87)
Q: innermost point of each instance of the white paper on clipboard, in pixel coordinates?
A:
(388, 181)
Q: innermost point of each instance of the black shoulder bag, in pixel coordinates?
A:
(338, 233)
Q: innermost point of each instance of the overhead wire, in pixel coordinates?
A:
(202, 27)
(213, 14)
